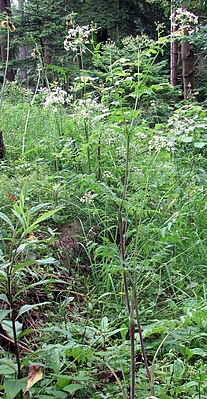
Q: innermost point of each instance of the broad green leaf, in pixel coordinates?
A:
(23, 194)
(154, 328)
(3, 314)
(22, 247)
(116, 331)
(7, 325)
(5, 265)
(21, 220)
(27, 308)
(4, 298)
(46, 261)
(57, 394)
(199, 144)
(123, 331)
(44, 397)
(13, 387)
(5, 370)
(186, 352)
(72, 388)
(199, 351)
(187, 139)
(41, 282)
(104, 322)
(9, 363)
(7, 220)
(178, 368)
(163, 231)
(45, 216)
(38, 207)
(22, 265)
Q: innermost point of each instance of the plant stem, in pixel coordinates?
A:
(6, 68)
(28, 113)
(88, 148)
(132, 351)
(142, 341)
(122, 231)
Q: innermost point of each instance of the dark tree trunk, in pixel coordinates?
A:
(173, 49)
(188, 71)
(22, 49)
(2, 148)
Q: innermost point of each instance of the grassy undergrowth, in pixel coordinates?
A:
(120, 149)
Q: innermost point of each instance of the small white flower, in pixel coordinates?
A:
(57, 96)
(107, 174)
(77, 37)
(88, 197)
(159, 142)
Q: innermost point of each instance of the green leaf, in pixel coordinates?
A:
(178, 368)
(72, 388)
(27, 308)
(22, 247)
(5, 265)
(187, 139)
(13, 387)
(199, 144)
(19, 218)
(104, 322)
(3, 314)
(37, 208)
(44, 397)
(116, 331)
(46, 261)
(9, 363)
(6, 370)
(45, 216)
(199, 351)
(7, 220)
(42, 282)
(4, 298)
(22, 265)
(123, 331)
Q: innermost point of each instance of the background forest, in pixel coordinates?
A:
(103, 171)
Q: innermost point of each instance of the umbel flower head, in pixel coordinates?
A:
(78, 37)
(185, 20)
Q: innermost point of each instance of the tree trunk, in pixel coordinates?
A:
(5, 7)
(173, 49)
(22, 49)
(188, 68)
(2, 148)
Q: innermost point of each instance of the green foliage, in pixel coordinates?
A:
(120, 148)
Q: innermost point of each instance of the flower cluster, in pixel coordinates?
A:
(78, 37)
(159, 142)
(55, 97)
(88, 197)
(86, 108)
(185, 20)
(107, 174)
